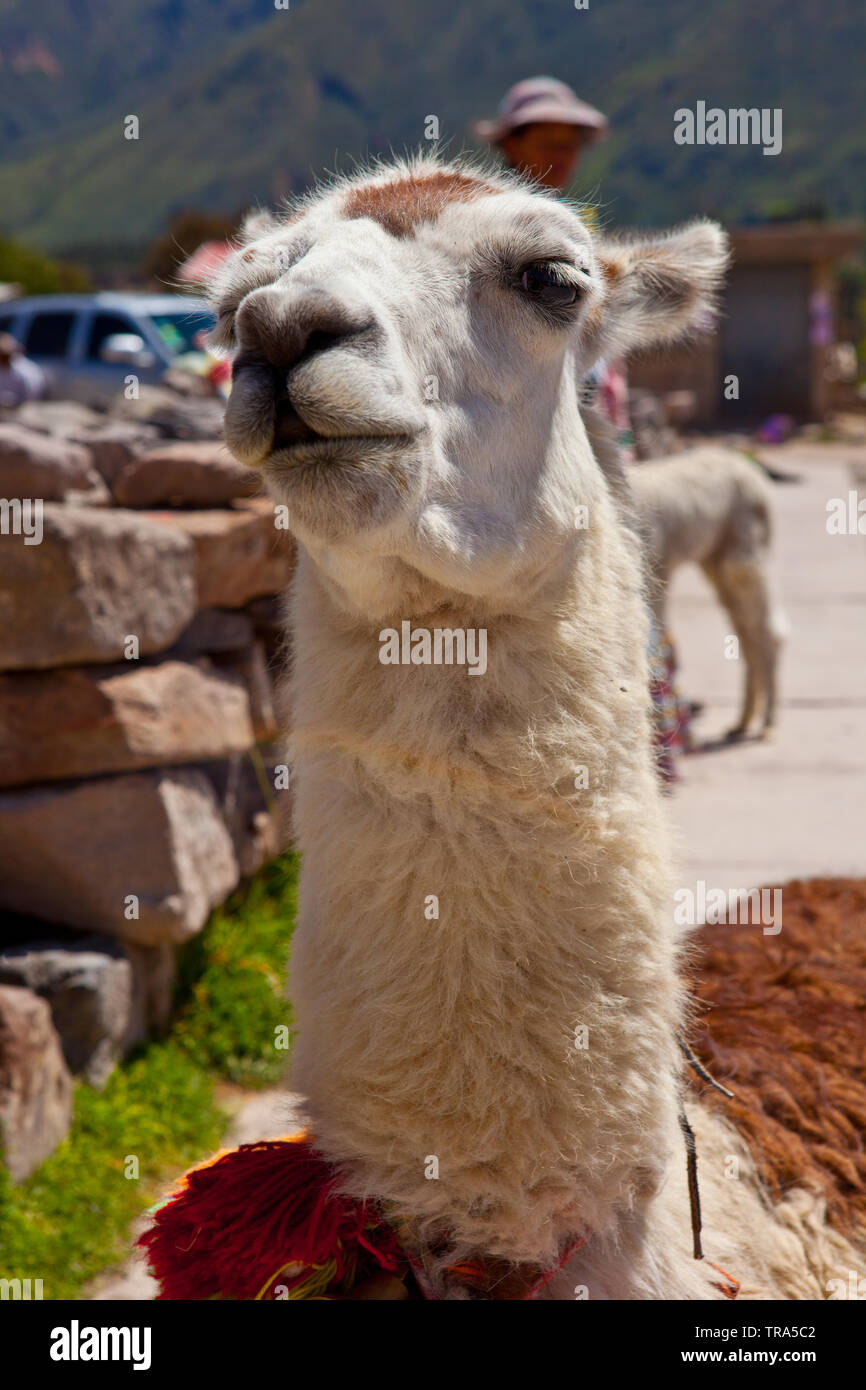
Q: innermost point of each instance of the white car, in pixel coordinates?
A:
(88, 344)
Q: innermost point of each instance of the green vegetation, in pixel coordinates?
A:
(254, 103)
(233, 981)
(38, 274)
(70, 1220)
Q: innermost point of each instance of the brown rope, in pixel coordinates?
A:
(694, 1194)
(701, 1070)
(691, 1148)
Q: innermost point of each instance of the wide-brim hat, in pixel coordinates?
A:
(541, 99)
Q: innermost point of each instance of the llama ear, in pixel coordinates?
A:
(257, 223)
(658, 288)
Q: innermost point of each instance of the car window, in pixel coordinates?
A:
(104, 326)
(6, 322)
(48, 335)
(180, 331)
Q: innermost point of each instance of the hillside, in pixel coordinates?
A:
(239, 102)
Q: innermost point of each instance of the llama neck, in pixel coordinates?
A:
(481, 973)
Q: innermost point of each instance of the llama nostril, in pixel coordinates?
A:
(287, 329)
(319, 341)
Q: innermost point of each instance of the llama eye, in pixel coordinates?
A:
(549, 285)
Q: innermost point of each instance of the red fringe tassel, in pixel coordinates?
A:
(237, 1221)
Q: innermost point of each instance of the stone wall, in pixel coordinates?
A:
(139, 638)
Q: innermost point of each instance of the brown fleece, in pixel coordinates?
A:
(785, 1028)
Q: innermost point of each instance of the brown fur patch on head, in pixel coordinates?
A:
(786, 1032)
(401, 204)
(610, 268)
(593, 319)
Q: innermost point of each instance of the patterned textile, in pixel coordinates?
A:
(671, 715)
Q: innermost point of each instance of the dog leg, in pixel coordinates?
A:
(741, 590)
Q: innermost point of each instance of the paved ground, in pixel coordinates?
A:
(794, 807)
(754, 813)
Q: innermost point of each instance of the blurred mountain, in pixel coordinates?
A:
(240, 102)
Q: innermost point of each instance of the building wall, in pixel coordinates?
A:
(766, 333)
(764, 342)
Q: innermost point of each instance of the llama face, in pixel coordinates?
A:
(409, 350)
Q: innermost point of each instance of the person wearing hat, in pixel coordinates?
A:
(20, 379)
(542, 128)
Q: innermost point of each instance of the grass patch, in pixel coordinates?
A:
(70, 1219)
(231, 993)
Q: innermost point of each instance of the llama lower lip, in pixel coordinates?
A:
(337, 447)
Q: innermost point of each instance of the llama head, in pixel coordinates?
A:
(409, 350)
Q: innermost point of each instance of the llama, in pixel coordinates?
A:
(711, 506)
(485, 970)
